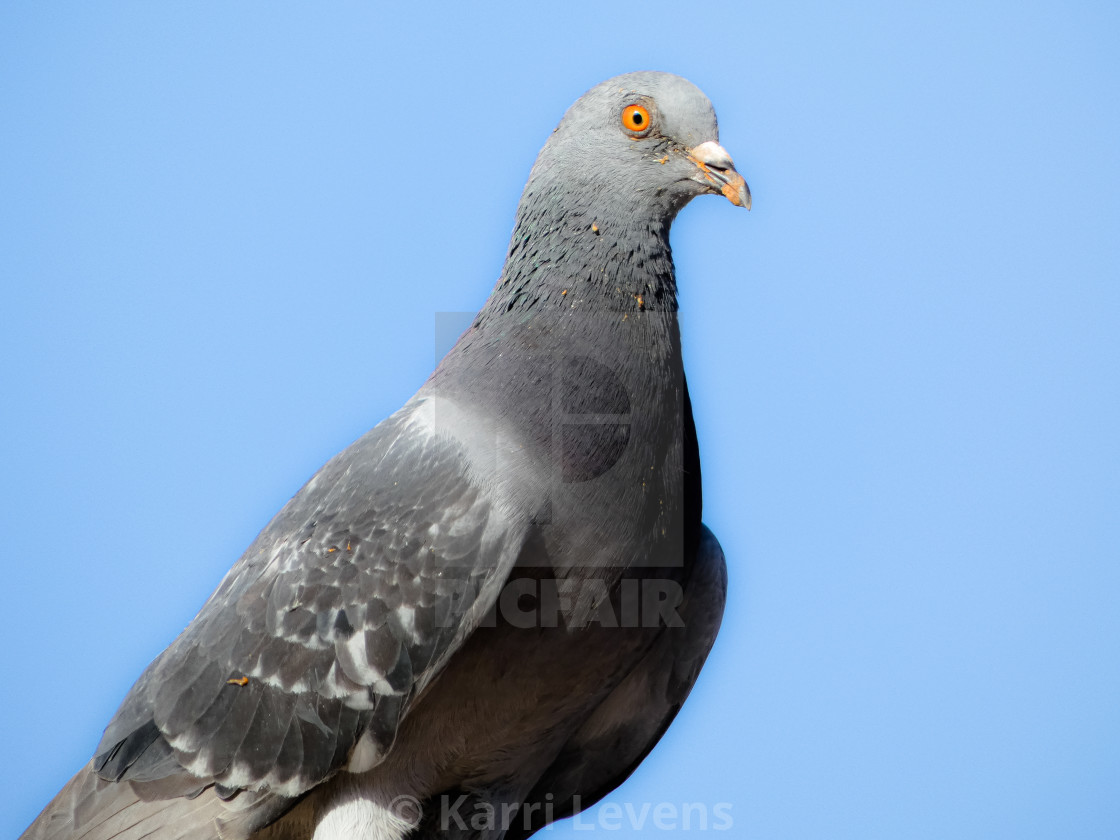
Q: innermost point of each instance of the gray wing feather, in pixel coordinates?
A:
(345, 605)
(91, 808)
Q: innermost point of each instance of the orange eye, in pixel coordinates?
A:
(635, 118)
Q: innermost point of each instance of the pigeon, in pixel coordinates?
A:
(483, 614)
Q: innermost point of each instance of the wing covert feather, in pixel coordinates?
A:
(351, 599)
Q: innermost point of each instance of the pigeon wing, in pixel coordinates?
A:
(305, 657)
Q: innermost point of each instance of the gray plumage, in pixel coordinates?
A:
(368, 659)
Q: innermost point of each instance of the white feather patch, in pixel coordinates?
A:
(365, 755)
(368, 816)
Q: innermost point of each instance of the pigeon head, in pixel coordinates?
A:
(592, 228)
(642, 144)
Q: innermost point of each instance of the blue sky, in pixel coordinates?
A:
(225, 233)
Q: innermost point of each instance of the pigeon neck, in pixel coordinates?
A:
(577, 253)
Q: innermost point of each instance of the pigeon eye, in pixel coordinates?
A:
(635, 118)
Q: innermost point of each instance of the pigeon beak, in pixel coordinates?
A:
(718, 173)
